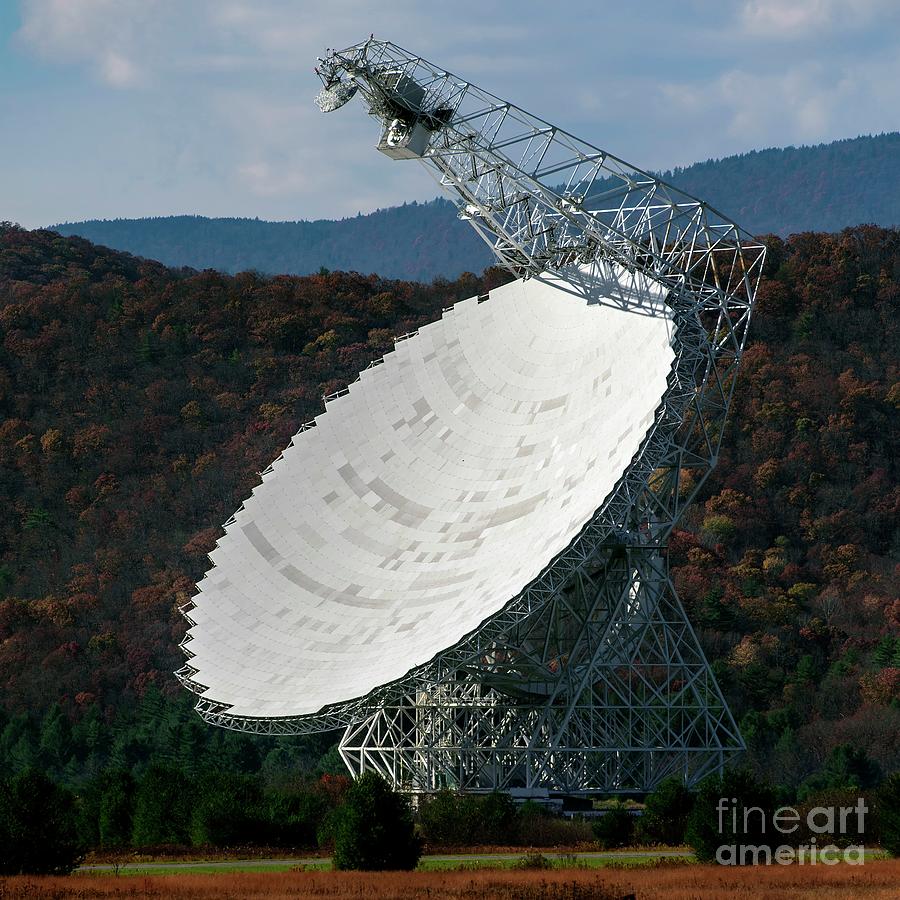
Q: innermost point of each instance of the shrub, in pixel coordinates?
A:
(373, 830)
(453, 819)
(325, 830)
(887, 810)
(708, 828)
(293, 818)
(442, 820)
(615, 828)
(666, 813)
(536, 827)
(226, 810)
(162, 808)
(497, 816)
(846, 828)
(534, 860)
(116, 810)
(38, 827)
(846, 767)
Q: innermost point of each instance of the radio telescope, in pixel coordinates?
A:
(462, 561)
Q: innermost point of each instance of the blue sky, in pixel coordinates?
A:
(156, 107)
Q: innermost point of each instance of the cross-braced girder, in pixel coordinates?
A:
(542, 198)
(591, 678)
(634, 703)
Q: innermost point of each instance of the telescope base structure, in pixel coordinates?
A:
(633, 701)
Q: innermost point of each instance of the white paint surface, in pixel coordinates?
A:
(430, 495)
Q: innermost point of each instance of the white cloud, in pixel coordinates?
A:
(127, 43)
(117, 70)
(789, 19)
(107, 35)
(809, 102)
(267, 180)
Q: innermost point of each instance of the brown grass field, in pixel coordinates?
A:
(878, 880)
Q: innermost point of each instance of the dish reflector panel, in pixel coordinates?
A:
(431, 494)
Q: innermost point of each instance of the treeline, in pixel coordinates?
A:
(366, 825)
(781, 191)
(156, 731)
(167, 807)
(156, 774)
(45, 827)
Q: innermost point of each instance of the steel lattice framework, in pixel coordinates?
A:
(591, 679)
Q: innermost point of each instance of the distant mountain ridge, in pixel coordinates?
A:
(782, 191)
(417, 241)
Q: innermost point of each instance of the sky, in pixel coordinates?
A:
(126, 108)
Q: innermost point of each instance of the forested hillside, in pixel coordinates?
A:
(822, 188)
(138, 403)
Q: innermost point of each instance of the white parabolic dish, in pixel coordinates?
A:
(431, 494)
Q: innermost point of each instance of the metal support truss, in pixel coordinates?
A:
(591, 679)
(542, 198)
(610, 692)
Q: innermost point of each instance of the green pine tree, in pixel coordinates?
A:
(374, 828)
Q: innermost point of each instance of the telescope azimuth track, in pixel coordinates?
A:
(462, 560)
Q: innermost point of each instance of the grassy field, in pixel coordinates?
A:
(465, 861)
(877, 880)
